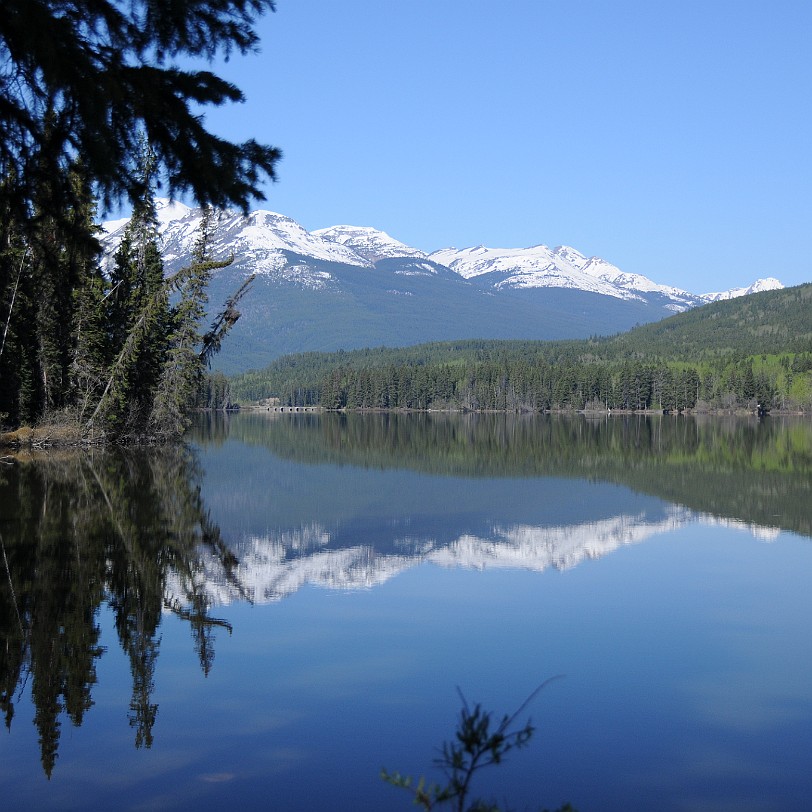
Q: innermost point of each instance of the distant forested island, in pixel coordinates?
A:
(752, 353)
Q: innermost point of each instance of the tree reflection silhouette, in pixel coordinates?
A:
(79, 529)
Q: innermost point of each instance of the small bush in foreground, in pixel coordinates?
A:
(476, 745)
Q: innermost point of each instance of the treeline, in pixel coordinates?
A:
(517, 381)
(515, 385)
(118, 352)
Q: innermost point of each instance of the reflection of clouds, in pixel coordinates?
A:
(279, 760)
(278, 564)
(269, 720)
(749, 704)
(122, 776)
(217, 778)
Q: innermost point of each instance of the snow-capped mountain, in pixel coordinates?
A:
(562, 267)
(770, 283)
(264, 240)
(601, 269)
(368, 242)
(346, 287)
(566, 267)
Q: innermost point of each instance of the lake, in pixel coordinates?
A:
(268, 616)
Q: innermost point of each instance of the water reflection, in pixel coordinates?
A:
(259, 506)
(756, 472)
(348, 501)
(81, 529)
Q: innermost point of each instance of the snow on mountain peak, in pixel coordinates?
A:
(605, 271)
(534, 267)
(267, 231)
(169, 210)
(262, 242)
(760, 285)
(370, 243)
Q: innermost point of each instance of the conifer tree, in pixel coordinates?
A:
(182, 371)
(138, 315)
(85, 77)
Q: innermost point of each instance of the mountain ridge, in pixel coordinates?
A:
(365, 245)
(349, 287)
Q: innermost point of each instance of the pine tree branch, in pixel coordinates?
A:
(13, 297)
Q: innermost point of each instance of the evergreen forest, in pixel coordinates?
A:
(752, 353)
(116, 353)
(96, 110)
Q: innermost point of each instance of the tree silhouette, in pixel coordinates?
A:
(114, 528)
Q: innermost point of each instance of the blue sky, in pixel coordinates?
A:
(670, 138)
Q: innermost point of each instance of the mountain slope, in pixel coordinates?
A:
(721, 333)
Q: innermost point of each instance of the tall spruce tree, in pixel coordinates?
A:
(138, 317)
(179, 386)
(39, 271)
(91, 78)
(18, 398)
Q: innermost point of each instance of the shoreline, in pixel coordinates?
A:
(58, 435)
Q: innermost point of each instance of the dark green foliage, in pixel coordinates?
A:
(87, 78)
(111, 352)
(138, 318)
(215, 392)
(771, 322)
(83, 87)
(42, 267)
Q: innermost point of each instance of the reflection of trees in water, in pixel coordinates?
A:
(83, 529)
(756, 471)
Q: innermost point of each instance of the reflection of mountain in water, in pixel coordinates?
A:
(273, 567)
(348, 501)
(341, 502)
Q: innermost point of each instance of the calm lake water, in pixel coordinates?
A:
(267, 618)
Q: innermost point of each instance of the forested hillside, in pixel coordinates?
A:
(772, 322)
(742, 353)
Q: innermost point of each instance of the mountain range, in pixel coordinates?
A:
(348, 287)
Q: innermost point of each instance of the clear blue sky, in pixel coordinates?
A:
(671, 138)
